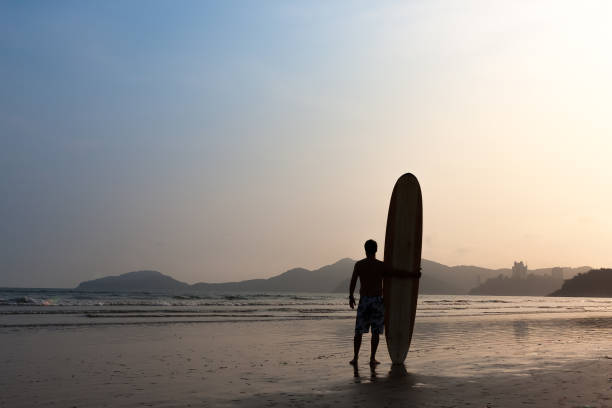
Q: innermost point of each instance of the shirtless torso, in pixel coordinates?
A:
(370, 272)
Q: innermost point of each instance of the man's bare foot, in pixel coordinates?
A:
(353, 362)
(374, 362)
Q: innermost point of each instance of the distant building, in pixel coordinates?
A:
(557, 273)
(519, 270)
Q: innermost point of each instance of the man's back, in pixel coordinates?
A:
(370, 272)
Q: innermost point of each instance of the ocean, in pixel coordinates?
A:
(65, 307)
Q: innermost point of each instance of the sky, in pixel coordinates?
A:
(220, 141)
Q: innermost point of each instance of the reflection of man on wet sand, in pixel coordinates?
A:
(371, 309)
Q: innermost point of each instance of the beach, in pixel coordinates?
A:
(501, 360)
(193, 192)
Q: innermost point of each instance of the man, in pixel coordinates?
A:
(371, 309)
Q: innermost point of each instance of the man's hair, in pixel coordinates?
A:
(370, 246)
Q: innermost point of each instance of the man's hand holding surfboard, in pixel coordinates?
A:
(397, 273)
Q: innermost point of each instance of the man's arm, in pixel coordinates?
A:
(352, 287)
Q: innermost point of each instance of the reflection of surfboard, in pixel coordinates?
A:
(402, 252)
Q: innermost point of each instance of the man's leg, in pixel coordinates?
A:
(375, 340)
(356, 347)
(378, 326)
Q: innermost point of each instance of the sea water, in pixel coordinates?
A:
(64, 307)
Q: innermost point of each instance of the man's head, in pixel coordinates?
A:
(370, 248)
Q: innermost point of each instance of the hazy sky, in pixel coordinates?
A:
(228, 140)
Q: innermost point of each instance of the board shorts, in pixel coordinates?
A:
(370, 312)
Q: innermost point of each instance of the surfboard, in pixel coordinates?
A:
(403, 241)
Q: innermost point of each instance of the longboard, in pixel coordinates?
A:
(403, 240)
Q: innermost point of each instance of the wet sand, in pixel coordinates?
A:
(582, 384)
(543, 361)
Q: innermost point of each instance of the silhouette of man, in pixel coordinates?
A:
(371, 309)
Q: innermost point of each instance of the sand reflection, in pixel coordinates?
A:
(521, 329)
(398, 374)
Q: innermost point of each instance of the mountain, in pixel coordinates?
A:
(437, 279)
(595, 283)
(531, 285)
(456, 280)
(147, 281)
(540, 282)
(567, 271)
(324, 279)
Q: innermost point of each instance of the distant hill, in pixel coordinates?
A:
(437, 279)
(532, 285)
(147, 281)
(456, 280)
(324, 279)
(595, 283)
(466, 278)
(540, 282)
(567, 271)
